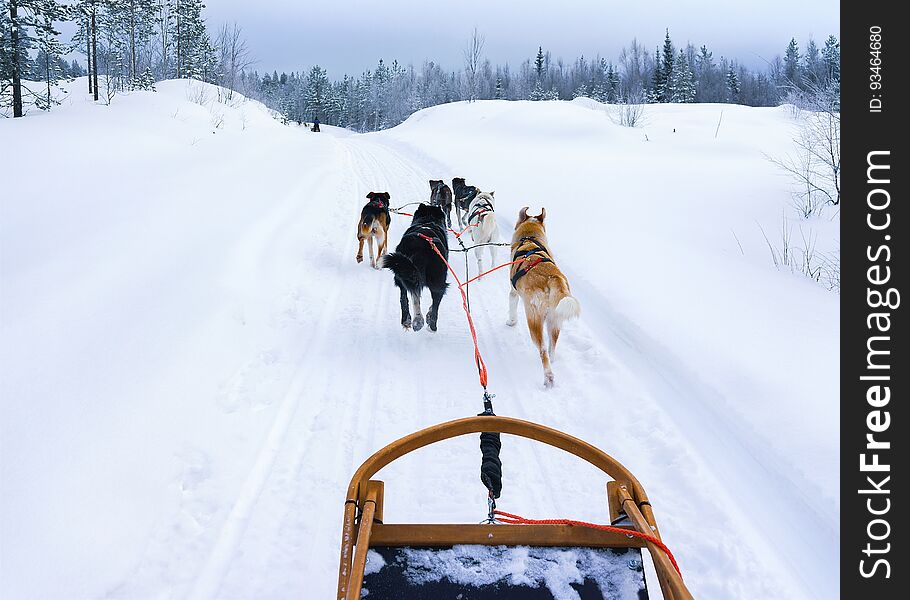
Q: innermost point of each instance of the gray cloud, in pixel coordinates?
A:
(349, 36)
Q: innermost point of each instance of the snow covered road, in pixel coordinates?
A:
(193, 364)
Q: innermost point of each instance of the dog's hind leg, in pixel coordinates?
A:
(382, 244)
(535, 326)
(360, 248)
(370, 244)
(433, 314)
(477, 253)
(513, 308)
(553, 331)
(405, 313)
(418, 321)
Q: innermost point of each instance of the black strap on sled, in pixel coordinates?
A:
(490, 464)
(538, 250)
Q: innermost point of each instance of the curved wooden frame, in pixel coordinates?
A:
(364, 496)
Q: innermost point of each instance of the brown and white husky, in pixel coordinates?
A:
(543, 288)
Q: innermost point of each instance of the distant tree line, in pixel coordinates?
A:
(130, 44)
(388, 94)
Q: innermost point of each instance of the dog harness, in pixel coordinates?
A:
(536, 251)
(469, 196)
(482, 207)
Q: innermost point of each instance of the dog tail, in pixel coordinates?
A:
(568, 308)
(403, 267)
(487, 227)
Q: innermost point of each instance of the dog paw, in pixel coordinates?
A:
(417, 323)
(406, 324)
(359, 258)
(511, 322)
(548, 380)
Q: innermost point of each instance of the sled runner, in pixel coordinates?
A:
(507, 556)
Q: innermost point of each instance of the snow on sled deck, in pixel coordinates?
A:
(474, 572)
(387, 561)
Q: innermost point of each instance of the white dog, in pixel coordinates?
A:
(482, 222)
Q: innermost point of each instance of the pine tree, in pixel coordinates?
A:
(190, 39)
(667, 63)
(136, 23)
(658, 82)
(682, 81)
(6, 55)
(580, 92)
(612, 85)
(144, 80)
(317, 84)
(812, 65)
(831, 60)
(498, 93)
(30, 25)
(705, 76)
(539, 63)
(207, 60)
(14, 45)
(76, 69)
(732, 82)
(48, 60)
(792, 72)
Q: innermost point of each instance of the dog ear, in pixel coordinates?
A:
(387, 195)
(522, 215)
(542, 215)
(370, 195)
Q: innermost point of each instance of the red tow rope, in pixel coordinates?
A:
(481, 366)
(517, 520)
(457, 234)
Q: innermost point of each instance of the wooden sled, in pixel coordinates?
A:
(384, 561)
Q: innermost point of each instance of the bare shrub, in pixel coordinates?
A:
(234, 59)
(198, 93)
(630, 111)
(804, 259)
(814, 167)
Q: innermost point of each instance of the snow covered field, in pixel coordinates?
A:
(192, 364)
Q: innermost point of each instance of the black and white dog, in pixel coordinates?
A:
(441, 196)
(463, 196)
(416, 265)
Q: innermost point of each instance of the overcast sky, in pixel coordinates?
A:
(349, 36)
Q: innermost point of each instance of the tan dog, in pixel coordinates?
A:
(543, 288)
(375, 219)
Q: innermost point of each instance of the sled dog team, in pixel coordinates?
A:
(542, 287)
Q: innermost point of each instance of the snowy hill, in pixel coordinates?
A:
(193, 364)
